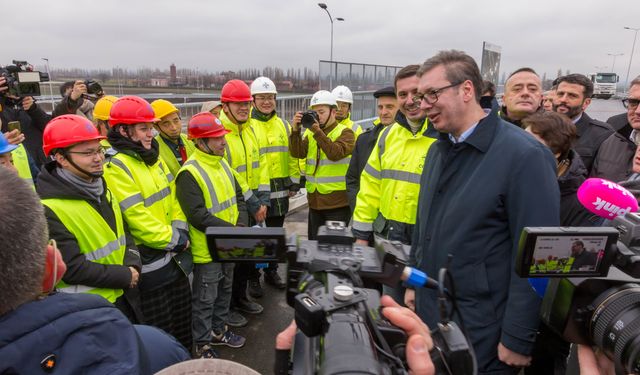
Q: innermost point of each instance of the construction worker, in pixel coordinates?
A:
(84, 217)
(387, 106)
(387, 202)
(243, 154)
(141, 183)
(6, 154)
(14, 156)
(213, 106)
(101, 116)
(327, 145)
(211, 196)
(175, 149)
(344, 99)
(273, 136)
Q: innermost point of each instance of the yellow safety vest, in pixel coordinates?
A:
(169, 157)
(243, 154)
(96, 239)
(328, 176)
(357, 129)
(148, 203)
(216, 180)
(390, 182)
(21, 162)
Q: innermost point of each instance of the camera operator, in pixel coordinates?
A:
(31, 117)
(418, 344)
(327, 145)
(74, 103)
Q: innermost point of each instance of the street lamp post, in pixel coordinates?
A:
(631, 56)
(613, 65)
(53, 106)
(324, 6)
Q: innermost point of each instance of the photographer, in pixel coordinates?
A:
(327, 145)
(75, 103)
(29, 115)
(418, 344)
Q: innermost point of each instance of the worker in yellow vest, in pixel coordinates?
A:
(211, 195)
(14, 156)
(327, 145)
(344, 101)
(84, 217)
(141, 182)
(175, 149)
(273, 137)
(6, 153)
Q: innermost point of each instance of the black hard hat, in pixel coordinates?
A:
(385, 91)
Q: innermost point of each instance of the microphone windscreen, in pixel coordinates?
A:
(606, 199)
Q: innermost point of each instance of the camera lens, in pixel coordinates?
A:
(615, 325)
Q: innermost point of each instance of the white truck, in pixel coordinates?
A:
(604, 84)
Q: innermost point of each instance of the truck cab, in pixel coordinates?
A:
(604, 84)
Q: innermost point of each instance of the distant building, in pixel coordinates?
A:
(159, 82)
(173, 73)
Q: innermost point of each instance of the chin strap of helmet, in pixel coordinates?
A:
(205, 144)
(83, 171)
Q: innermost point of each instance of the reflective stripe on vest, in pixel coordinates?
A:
(326, 176)
(166, 153)
(95, 238)
(218, 186)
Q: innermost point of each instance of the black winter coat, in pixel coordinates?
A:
(32, 123)
(475, 198)
(572, 213)
(590, 135)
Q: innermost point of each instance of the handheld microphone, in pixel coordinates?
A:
(606, 199)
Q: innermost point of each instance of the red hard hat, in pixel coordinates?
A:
(205, 125)
(235, 91)
(131, 110)
(64, 131)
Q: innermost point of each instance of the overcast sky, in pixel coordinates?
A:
(226, 35)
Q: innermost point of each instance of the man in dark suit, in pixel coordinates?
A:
(572, 98)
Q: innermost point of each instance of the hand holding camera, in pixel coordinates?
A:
(79, 89)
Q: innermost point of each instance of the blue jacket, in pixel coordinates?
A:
(475, 198)
(80, 333)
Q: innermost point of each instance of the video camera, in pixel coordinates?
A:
(22, 80)
(588, 301)
(341, 329)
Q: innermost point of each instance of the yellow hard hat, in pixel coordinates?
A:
(103, 107)
(163, 107)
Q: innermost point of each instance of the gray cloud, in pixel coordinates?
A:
(220, 35)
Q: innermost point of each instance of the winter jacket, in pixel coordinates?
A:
(81, 107)
(572, 213)
(32, 123)
(590, 135)
(615, 157)
(364, 144)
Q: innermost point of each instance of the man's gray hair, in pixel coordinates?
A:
(23, 235)
(636, 81)
(459, 67)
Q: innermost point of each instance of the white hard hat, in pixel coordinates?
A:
(263, 85)
(323, 97)
(343, 94)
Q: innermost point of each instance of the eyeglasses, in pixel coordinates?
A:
(630, 103)
(431, 97)
(265, 97)
(91, 153)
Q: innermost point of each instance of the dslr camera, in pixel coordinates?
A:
(341, 329)
(94, 90)
(309, 118)
(593, 295)
(22, 80)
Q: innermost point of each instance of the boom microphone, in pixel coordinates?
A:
(606, 199)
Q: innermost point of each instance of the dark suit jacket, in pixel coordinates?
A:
(590, 135)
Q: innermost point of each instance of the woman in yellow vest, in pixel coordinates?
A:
(84, 217)
(140, 181)
(327, 145)
(211, 195)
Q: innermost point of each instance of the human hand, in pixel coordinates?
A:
(292, 193)
(261, 215)
(512, 358)
(79, 88)
(594, 363)
(284, 339)
(362, 242)
(419, 342)
(14, 137)
(410, 299)
(27, 102)
(135, 276)
(297, 118)
(315, 127)
(3, 84)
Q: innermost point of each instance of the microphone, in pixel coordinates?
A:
(606, 199)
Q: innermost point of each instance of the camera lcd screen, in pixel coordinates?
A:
(566, 251)
(26, 77)
(254, 245)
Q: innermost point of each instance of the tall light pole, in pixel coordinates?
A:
(631, 56)
(324, 6)
(613, 65)
(53, 106)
